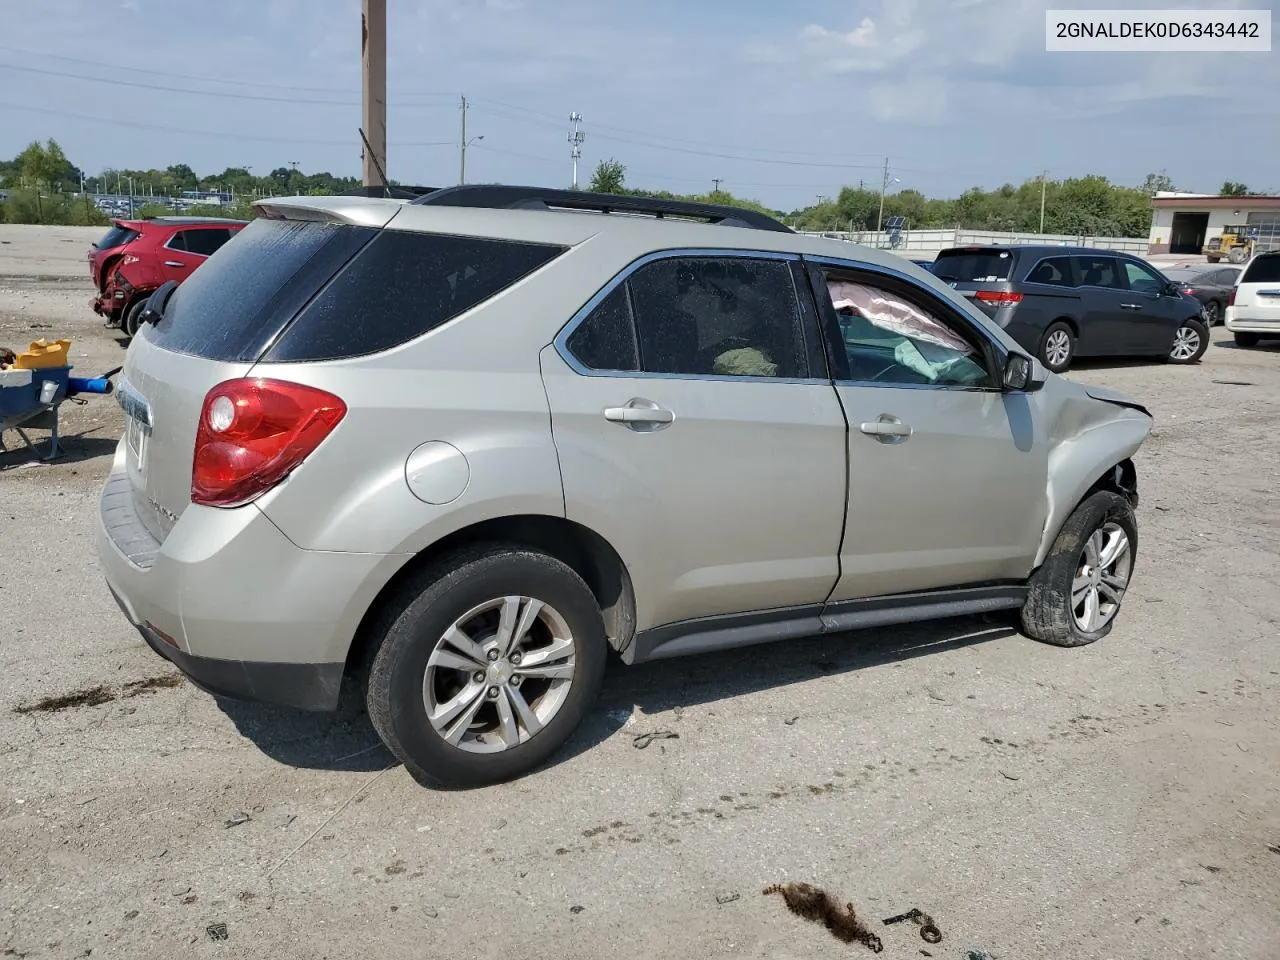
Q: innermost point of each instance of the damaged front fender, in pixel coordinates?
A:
(1092, 439)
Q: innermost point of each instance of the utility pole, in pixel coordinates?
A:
(462, 143)
(1043, 177)
(373, 50)
(884, 185)
(576, 136)
(717, 181)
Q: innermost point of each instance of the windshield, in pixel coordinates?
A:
(1185, 274)
(974, 266)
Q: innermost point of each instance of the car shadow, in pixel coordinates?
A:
(346, 740)
(1268, 346)
(76, 448)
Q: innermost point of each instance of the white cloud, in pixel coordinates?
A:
(864, 35)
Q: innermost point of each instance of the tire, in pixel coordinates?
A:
(1246, 339)
(1213, 313)
(131, 319)
(1190, 341)
(1237, 255)
(1059, 343)
(1213, 259)
(1049, 615)
(403, 677)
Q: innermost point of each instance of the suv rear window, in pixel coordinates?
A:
(116, 237)
(973, 266)
(238, 302)
(401, 286)
(1264, 269)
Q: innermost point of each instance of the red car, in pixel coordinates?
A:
(136, 256)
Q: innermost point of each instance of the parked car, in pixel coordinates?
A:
(1060, 303)
(1211, 285)
(458, 449)
(136, 256)
(923, 264)
(1253, 309)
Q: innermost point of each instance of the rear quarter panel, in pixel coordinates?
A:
(474, 383)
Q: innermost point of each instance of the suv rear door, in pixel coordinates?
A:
(698, 432)
(188, 248)
(1257, 300)
(1106, 324)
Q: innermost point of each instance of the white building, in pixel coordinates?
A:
(1183, 222)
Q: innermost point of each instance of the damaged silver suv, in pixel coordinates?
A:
(459, 449)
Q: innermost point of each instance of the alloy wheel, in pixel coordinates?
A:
(1057, 348)
(499, 674)
(1102, 576)
(1185, 343)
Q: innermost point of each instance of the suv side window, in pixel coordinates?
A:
(606, 338)
(718, 316)
(1054, 271)
(1142, 280)
(1099, 272)
(178, 241)
(892, 337)
(205, 242)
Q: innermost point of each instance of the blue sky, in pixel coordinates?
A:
(781, 100)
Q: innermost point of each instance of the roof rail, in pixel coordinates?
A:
(504, 197)
(396, 192)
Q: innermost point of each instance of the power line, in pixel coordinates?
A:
(201, 133)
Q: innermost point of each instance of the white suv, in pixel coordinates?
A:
(1253, 309)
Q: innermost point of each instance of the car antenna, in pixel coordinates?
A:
(381, 173)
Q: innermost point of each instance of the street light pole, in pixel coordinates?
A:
(1043, 178)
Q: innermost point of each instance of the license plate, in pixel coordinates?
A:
(136, 439)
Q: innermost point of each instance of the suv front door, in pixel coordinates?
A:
(698, 432)
(947, 472)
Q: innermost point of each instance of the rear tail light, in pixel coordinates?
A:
(1231, 297)
(998, 296)
(253, 434)
(1189, 291)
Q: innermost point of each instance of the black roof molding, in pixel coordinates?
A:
(504, 197)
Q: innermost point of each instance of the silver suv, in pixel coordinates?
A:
(460, 448)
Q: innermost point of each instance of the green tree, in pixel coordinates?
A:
(1232, 189)
(1157, 183)
(610, 177)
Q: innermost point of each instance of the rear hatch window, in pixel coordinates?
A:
(288, 291)
(117, 236)
(1263, 269)
(974, 266)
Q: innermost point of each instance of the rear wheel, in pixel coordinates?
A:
(1212, 313)
(1057, 347)
(1190, 341)
(487, 664)
(1246, 339)
(1076, 594)
(133, 317)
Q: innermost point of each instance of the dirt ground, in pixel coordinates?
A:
(1116, 801)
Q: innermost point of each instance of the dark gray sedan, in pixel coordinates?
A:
(1209, 283)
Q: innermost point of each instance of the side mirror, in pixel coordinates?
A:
(1023, 374)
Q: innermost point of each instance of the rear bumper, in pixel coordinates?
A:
(1265, 321)
(233, 603)
(306, 686)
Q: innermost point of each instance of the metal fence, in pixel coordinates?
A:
(931, 241)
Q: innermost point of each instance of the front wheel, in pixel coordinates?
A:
(1058, 347)
(487, 664)
(1190, 341)
(1237, 255)
(1075, 596)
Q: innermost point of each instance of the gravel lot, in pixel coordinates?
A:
(1117, 801)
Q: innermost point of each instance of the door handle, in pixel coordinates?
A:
(886, 429)
(640, 414)
(173, 263)
(1130, 306)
